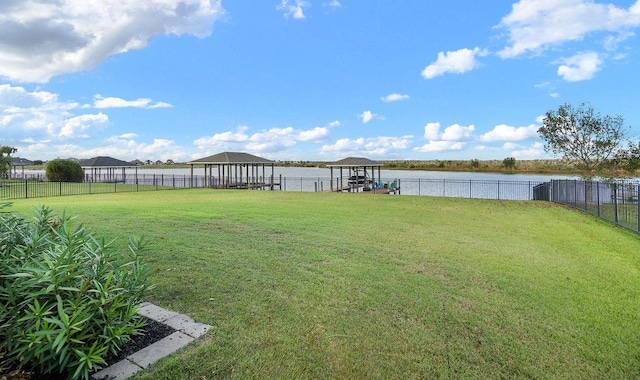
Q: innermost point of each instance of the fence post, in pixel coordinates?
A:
(26, 189)
(638, 203)
(615, 202)
(598, 197)
(60, 188)
(586, 207)
(498, 189)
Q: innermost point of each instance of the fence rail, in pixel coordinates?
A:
(31, 186)
(616, 202)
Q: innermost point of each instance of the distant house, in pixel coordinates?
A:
(137, 162)
(170, 162)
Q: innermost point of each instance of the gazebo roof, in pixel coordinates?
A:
(354, 161)
(231, 158)
(105, 162)
(18, 161)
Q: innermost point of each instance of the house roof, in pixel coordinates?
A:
(354, 161)
(227, 158)
(105, 162)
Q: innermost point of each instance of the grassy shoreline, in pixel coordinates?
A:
(319, 285)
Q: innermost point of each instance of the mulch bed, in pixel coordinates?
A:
(151, 333)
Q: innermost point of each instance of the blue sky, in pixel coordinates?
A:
(308, 80)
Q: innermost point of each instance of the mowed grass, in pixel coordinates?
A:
(326, 286)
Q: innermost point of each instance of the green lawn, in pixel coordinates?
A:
(320, 285)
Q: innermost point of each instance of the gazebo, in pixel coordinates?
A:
(105, 168)
(236, 170)
(18, 162)
(361, 173)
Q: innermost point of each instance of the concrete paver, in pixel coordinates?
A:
(187, 325)
(188, 331)
(160, 349)
(154, 312)
(120, 371)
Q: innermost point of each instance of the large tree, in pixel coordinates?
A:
(5, 159)
(582, 136)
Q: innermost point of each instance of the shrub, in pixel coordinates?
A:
(64, 171)
(509, 163)
(67, 298)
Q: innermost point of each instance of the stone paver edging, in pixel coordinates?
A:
(187, 330)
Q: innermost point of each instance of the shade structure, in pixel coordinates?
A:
(359, 173)
(105, 168)
(236, 170)
(18, 162)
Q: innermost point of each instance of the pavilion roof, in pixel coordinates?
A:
(18, 161)
(105, 162)
(230, 158)
(355, 161)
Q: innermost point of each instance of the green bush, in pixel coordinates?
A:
(67, 298)
(509, 163)
(64, 171)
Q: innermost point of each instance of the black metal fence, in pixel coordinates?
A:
(616, 202)
(31, 186)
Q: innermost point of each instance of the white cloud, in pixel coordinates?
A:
(293, 8)
(112, 102)
(454, 132)
(367, 116)
(535, 150)
(333, 124)
(456, 62)
(432, 131)
(270, 141)
(394, 98)
(579, 67)
(315, 134)
(441, 146)
(26, 113)
(125, 147)
(458, 132)
(41, 39)
(535, 25)
(382, 146)
(74, 125)
(503, 132)
(333, 4)
(454, 138)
